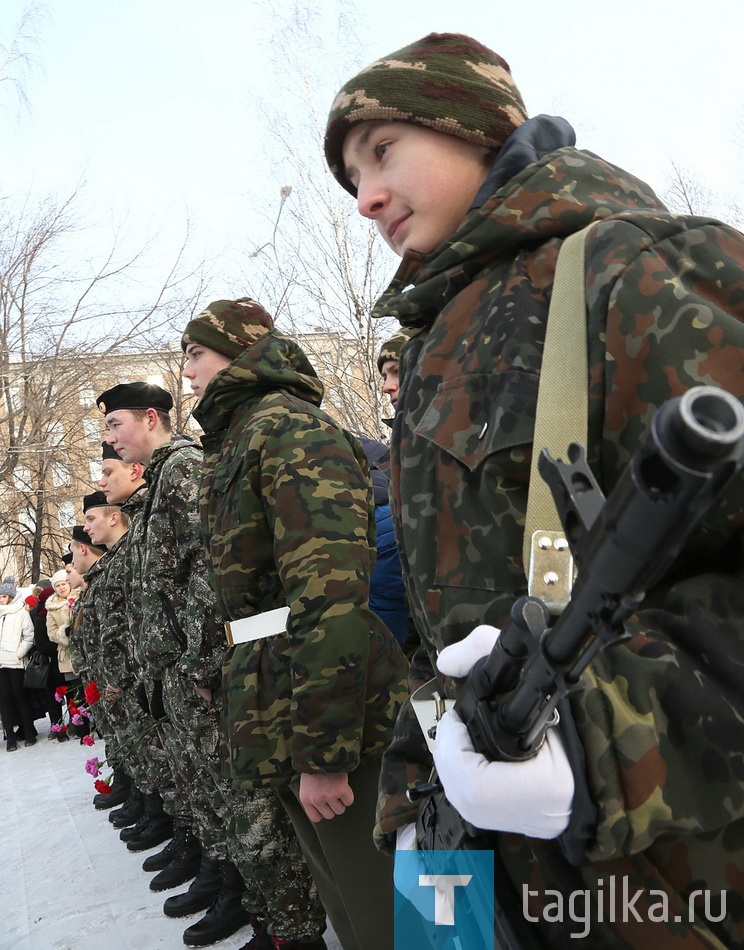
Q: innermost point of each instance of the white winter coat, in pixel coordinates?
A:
(16, 634)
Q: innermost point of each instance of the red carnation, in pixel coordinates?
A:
(92, 693)
(103, 787)
(88, 740)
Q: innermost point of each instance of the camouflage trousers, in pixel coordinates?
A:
(251, 829)
(140, 751)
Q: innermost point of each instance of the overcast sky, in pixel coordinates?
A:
(156, 104)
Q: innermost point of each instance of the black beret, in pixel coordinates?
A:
(67, 558)
(79, 534)
(135, 396)
(95, 500)
(109, 452)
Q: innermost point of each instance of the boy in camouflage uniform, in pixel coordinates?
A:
(179, 647)
(435, 144)
(315, 679)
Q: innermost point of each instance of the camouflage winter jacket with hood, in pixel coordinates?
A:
(288, 515)
(661, 717)
(171, 612)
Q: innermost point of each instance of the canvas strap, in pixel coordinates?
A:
(562, 400)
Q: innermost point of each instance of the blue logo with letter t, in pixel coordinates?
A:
(444, 900)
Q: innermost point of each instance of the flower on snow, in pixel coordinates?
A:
(88, 740)
(93, 767)
(102, 786)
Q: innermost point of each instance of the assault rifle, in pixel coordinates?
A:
(622, 548)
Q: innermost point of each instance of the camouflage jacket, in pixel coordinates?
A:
(288, 516)
(660, 718)
(110, 648)
(171, 613)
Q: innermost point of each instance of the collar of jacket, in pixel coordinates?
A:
(544, 196)
(163, 452)
(276, 363)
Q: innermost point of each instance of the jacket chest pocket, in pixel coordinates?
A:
(479, 430)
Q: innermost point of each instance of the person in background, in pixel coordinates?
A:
(16, 639)
(387, 593)
(44, 645)
(288, 520)
(388, 363)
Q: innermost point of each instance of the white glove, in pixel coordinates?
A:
(405, 838)
(533, 797)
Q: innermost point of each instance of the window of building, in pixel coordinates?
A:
(156, 380)
(54, 433)
(87, 398)
(22, 478)
(14, 398)
(92, 430)
(60, 474)
(95, 466)
(66, 511)
(27, 519)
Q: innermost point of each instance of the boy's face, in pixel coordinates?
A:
(73, 577)
(97, 525)
(116, 481)
(414, 183)
(390, 382)
(201, 365)
(130, 436)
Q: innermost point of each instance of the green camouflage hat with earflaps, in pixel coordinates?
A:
(229, 326)
(390, 349)
(446, 81)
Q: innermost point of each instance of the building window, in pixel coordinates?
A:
(27, 519)
(92, 430)
(66, 511)
(87, 398)
(156, 380)
(60, 474)
(22, 478)
(54, 433)
(95, 466)
(14, 398)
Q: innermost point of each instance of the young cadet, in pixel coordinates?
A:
(315, 678)
(435, 144)
(180, 647)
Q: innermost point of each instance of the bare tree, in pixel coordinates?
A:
(321, 267)
(68, 329)
(17, 55)
(686, 194)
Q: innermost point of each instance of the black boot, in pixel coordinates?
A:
(202, 892)
(153, 828)
(119, 793)
(130, 812)
(184, 863)
(226, 915)
(161, 859)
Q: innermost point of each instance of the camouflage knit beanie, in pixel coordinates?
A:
(445, 81)
(229, 326)
(390, 350)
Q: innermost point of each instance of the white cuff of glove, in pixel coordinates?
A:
(405, 838)
(533, 797)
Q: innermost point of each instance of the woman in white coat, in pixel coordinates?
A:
(16, 639)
